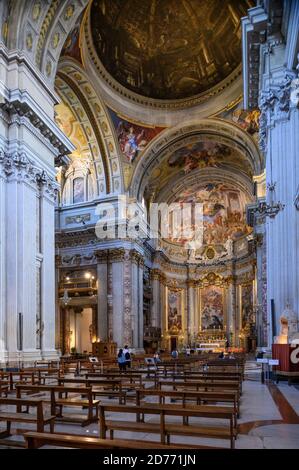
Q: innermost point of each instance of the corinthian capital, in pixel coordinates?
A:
(18, 166)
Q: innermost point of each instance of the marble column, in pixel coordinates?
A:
(47, 248)
(191, 305)
(232, 329)
(137, 301)
(156, 300)
(30, 141)
(280, 118)
(3, 345)
(102, 313)
(116, 257)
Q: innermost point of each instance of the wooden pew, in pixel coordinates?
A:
(114, 390)
(201, 384)
(4, 387)
(41, 419)
(128, 376)
(201, 397)
(25, 377)
(43, 373)
(59, 401)
(166, 430)
(35, 440)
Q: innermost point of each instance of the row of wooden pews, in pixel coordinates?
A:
(192, 392)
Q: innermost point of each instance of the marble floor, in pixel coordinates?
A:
(269, 419)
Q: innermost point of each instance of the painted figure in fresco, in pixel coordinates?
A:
(78, 189)
(131, 142)
(248, 120)
(199, 155)
(223, 212)
(212, 312)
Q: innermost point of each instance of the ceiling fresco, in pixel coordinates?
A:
(67, 122)
(203, 153)
(199, 155)
(133, 138)
(71, 46)
(168, 49)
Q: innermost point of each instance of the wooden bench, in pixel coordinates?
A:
(35, 440)
(127, 376)
(57, 400)
(40, 418)
(4, 387)
(201, 384)
(201, 397)
(114, 387)
(43, 373)
(166, 430)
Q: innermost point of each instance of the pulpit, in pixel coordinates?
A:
(104, 349)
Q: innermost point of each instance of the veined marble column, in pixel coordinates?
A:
(156, 300)
(117, 259)
(102, 275)
(230, 309)
(137, 301)
(191, 305)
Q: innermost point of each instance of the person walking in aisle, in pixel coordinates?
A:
(121, 360)
(127, 356)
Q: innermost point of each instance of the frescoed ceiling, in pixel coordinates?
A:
(168, 49)
(132, 138)
(202, 153)
(72, 129)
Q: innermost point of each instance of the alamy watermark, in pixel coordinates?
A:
(179, 222)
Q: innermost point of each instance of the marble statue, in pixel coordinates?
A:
(229, 246)
(288, 326)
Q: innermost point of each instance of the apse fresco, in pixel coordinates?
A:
(223, 211)
(132, 138)
(199, 155)
(247, 304)
(212, 308)
(174, 313)
(168, 49)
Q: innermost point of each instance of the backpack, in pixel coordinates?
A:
(127, 356)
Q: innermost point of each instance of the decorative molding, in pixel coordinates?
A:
(275, 104)
(23, 110)
(18, 166)
(73, 219)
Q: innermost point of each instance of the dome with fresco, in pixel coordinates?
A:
(165, 49)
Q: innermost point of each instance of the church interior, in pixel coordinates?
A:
(149, 224)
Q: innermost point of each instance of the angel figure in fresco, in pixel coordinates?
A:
(130, 142)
